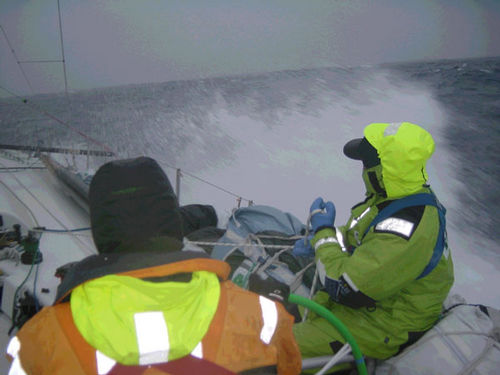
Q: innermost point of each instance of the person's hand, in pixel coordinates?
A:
(303, 248)
(322, 214)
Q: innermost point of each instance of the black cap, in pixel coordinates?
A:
(361, 149)
(351, 149)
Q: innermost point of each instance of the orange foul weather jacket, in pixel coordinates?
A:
(247, 333)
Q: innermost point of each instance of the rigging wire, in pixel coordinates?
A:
(109, 149)
(62, 48)
(17, 60)
(85, 136)
(62, 60)
(38, 61)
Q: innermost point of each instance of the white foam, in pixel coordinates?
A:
(299, 156)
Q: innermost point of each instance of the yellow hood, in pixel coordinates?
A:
(403, 149)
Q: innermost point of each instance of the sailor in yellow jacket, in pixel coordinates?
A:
(385, 279)
(143, 307)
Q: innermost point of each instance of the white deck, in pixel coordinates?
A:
(51, 207)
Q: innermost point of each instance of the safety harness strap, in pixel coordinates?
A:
(423, 199)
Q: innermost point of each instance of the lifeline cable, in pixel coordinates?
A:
(208, 243)
(250, 201)
(110, 150)
(43, 229)
(112, 153)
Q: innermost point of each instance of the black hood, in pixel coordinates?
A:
(132, 201)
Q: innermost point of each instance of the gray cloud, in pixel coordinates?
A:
(109, 43)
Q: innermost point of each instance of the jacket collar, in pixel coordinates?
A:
(142, 264)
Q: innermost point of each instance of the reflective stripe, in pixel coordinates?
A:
(350, 282)
(392, 128)
(16, 368)
(13, 347)
(152, 337)
(270, 318)
(13, 350)
(356, 220)
(446, 252)
(198, 351)
(395, 225)
(320, 267)
(356, 237)
(340, 238)
(322, 241)
(104, 363)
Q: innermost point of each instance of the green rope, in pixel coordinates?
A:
(333, 320)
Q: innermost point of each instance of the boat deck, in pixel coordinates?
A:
(34, 198)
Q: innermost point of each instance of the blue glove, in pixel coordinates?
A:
(324, 218)
(303, 248)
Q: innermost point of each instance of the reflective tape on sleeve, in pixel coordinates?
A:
(13, 347)
(322, 241)
(340, 239)
(269, 317)
(16, 368)
(13, 350)
(357, 219)
(152, 337)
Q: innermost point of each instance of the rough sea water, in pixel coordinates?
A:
(277, 139)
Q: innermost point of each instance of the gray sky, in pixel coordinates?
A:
(111, 42)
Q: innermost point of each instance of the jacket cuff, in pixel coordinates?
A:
(323, 232)
(324, 227)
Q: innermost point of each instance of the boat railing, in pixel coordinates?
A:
(179, 174)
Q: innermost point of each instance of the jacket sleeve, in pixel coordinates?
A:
(35, 343)
(381, 266)
(45, 349)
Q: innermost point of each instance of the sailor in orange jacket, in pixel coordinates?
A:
(140, 307)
